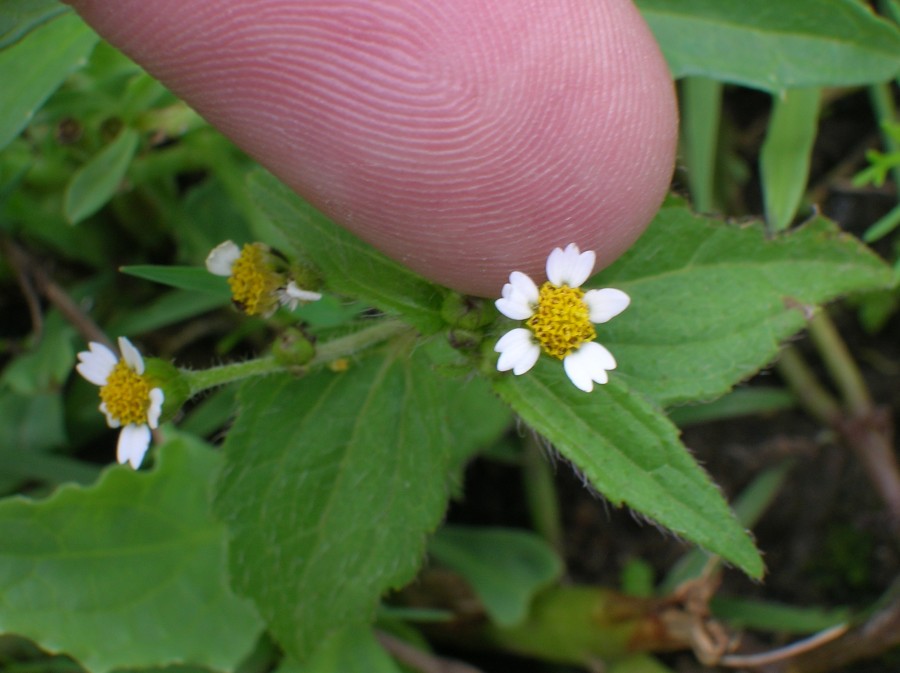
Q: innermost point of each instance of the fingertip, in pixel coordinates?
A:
(464, 139)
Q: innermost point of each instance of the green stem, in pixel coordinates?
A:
(702, 103)
(806, 387)
(840, 365)
(204, 379)
(540, 489)
(883, 102)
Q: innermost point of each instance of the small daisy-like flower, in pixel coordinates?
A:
(258, 283)
(127, 398)
(560, 319)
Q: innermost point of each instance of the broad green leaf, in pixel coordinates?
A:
(711, 302)
(129, 572)
(774, 45)
(19, 17)
(333, 482)
(99, 179)
(786, 153)
(351, 650)
(505, 567)
(193, 278)
(631, 453)
(35, 67)
(349, 265)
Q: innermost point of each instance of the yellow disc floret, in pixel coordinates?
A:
(253, 282)
(562, 320)
(126, 395)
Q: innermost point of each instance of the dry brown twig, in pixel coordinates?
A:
(30, 275)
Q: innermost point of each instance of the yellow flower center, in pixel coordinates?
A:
(126, 395)
(252, 281)
(562, 320)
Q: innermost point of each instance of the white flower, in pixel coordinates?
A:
(258, 278)
(560, 319)
(127, 400)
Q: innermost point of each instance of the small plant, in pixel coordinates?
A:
(294, 411)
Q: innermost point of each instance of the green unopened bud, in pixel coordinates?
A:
(463, 339)
(175, 387)
(467, 312)
(306, 276)
(293, 349)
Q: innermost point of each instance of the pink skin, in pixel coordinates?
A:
(465, 139)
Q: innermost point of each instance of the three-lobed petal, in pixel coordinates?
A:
(605, 304)
(155, 408)
(222, 258)
(134, 440)
(570, 266)
(518, 297)
(131, 355)
(588, 365)
(518, 351)
(96, 363)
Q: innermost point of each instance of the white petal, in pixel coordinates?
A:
(570, 266)
(523, 286)
(222, 258)
(518, 297)
(516, 310)
(131, 355)
(156, 402)
(97, 363)
(606, 303)
(111, 421)
(134, 440)
(518, 351)
(293, 294)
(589, 364)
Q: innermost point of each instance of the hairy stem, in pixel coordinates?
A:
(204, 379)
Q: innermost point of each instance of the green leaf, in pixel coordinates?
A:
(749, 506)
(638, 663)
(48, 364)
(743, 613)
(711, 302)
(740, 402)
(99, 179)
(130, 572)
(332, 483)
(774, 45)
(31, 424)
(350, 266)
(505, 567)
(183, 277)
(786, 153)
(165, 310)
(350, 650)
(631, 453)
(19, 17)
(35, 67)
(701, 115)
